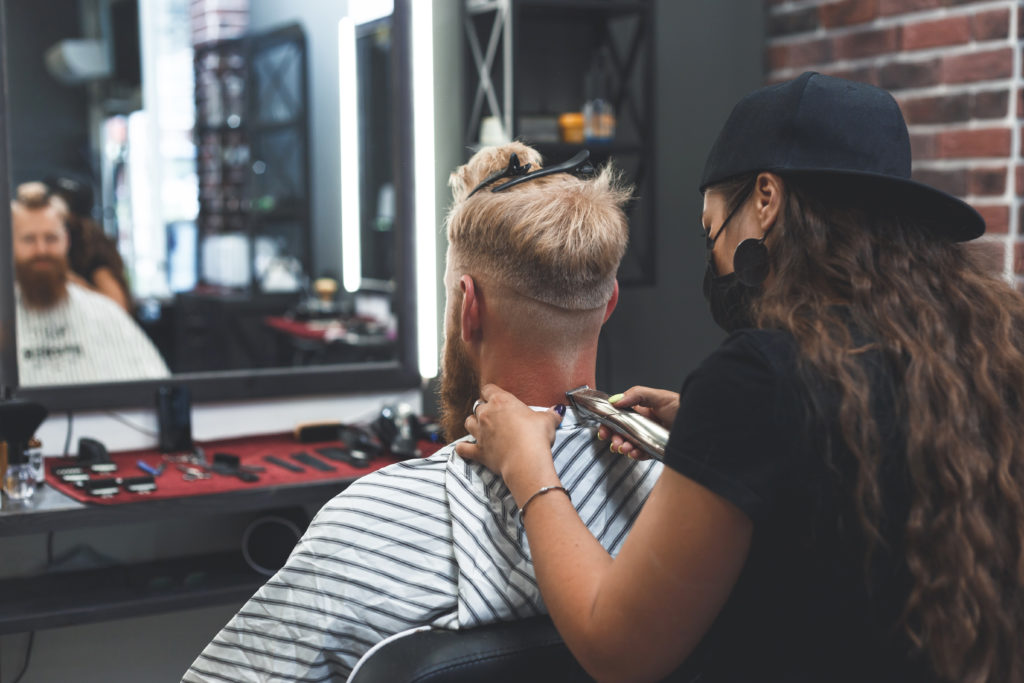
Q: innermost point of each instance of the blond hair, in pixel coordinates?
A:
(556, 239)
(35, 195)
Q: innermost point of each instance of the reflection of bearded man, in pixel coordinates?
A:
(460, 382)
(43, 281)
(40, 243)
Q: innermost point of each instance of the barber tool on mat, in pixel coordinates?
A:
(94, 454)
(349, 456)
(593, 405)
(307, 459)
(274, 460)
(104, 488)
(231, 465)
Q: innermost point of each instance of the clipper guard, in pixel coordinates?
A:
(593, 405)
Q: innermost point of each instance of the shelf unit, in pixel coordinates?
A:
(252, 134)
(530, 58)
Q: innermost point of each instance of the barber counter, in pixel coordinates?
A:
(192, 542)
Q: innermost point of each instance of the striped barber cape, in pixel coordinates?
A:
(436, 541)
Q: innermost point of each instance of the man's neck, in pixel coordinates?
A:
(542, 379)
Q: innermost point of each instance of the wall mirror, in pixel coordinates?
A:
(246, 160)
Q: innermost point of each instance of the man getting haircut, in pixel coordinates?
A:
(438, 541)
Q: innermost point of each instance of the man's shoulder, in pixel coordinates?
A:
(431, 467)
(86, 298)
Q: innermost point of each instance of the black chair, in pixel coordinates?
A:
(528, 650)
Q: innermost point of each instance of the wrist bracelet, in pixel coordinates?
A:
(540, 492)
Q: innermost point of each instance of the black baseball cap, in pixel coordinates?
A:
(827, 126)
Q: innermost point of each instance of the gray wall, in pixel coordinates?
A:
(319, 19)
(708, 54)
(48, 120)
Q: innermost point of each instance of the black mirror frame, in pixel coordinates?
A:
(403, 373)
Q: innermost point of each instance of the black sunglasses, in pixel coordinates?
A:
(578, 166)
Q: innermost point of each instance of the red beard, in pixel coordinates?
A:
(43, 281)
(460, 382)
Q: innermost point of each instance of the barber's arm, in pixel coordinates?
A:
(635, 617)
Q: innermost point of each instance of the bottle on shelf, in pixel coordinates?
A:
(598, 113)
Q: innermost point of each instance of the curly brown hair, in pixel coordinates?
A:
(954, 336)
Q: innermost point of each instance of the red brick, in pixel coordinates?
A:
(776, 57)
(1020, 103)
(1018, 257)
(788, 23)
(985, 142)
(899, 75)
(940, 109)
(861, 74)
(991, 25)
(1019, 173)
(924, 34)
(923, 145)
(867, 43)
(990, 104)
(986, 182)
(997, 219)
(848, 12)
(978, 66)
(954, 182)
(889, 7)
(988, 254)
(798, 54)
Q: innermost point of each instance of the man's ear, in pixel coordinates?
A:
(769, 190)
(470, 312)
(610, 306)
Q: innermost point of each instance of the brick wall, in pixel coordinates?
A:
(955, 68)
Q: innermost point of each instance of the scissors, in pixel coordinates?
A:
(191, 473)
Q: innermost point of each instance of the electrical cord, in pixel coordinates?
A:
(28, 657)
(67, 438)
(125, 421)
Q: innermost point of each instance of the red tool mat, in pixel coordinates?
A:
(251, 451)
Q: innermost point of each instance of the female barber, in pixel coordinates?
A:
(844, 491)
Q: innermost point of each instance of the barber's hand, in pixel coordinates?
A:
(511, 439)
(658, 404)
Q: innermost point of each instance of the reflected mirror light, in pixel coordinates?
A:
(348, 125)
(426, 226)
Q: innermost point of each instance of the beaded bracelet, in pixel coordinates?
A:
(539, 492)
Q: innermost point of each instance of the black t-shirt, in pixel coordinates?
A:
(807, 607)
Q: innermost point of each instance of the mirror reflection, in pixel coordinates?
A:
(200, 186)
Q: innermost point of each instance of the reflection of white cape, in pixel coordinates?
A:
(85, 338)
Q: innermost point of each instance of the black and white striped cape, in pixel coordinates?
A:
(435, 542)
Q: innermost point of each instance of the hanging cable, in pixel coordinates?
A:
(28, 657)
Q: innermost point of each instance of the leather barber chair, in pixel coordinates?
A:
(526, 650)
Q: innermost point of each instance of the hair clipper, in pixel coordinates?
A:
(590, 404)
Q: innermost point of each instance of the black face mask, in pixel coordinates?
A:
(729, 300)
(730, 297)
